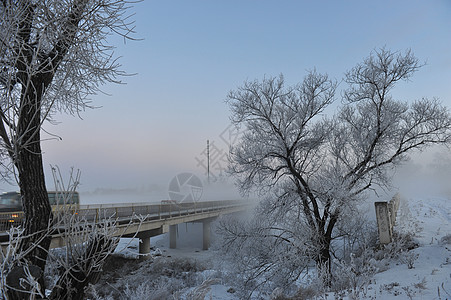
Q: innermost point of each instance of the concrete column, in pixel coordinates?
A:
(172, 236)
(144, 246)
(383, 222)
(144, 241)
(206, 226)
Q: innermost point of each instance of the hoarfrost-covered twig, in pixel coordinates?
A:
(310, 170)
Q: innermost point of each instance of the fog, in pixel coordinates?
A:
(155, 193)
(426, 174)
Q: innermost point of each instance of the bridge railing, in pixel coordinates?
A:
(9, 219)
(157, 211)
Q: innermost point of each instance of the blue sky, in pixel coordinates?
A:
(194, 52)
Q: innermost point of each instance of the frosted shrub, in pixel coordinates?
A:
(355, 276)
(408, 258)
(161, 278)
(306, 293)
(142, 292)
(70, 268)
(201, 291)
(259, 261)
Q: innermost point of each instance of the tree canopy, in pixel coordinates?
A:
(311, 168)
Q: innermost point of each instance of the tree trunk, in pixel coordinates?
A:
(35, 201)
(323, 261)
(324, 258)
(28, 161)
(36, 207)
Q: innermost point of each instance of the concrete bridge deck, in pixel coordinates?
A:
(140, 220)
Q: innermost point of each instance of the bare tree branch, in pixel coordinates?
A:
(313, 169)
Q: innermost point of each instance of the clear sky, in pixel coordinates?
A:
(194, 52)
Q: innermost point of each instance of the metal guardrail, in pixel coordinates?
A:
(163, 210)
(9, 219)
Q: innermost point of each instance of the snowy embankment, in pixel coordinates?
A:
(425, 272)
(421, 273)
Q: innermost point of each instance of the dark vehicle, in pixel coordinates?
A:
(10, 202)
(11, 205)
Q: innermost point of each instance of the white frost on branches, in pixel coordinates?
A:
(313, 170)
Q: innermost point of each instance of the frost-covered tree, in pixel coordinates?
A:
(53, 55)
(313, 169)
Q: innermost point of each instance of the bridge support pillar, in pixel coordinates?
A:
(206, 228)
(172, 236)
(144, 247)
(144, 241)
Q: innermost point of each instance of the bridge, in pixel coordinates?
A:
(140, 220)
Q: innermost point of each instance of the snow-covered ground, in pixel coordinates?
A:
(189, 246)
(422, 273)
(429, 277)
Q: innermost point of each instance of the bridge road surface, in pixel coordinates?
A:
(141, 220)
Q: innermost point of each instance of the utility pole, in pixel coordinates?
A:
(208, 161)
